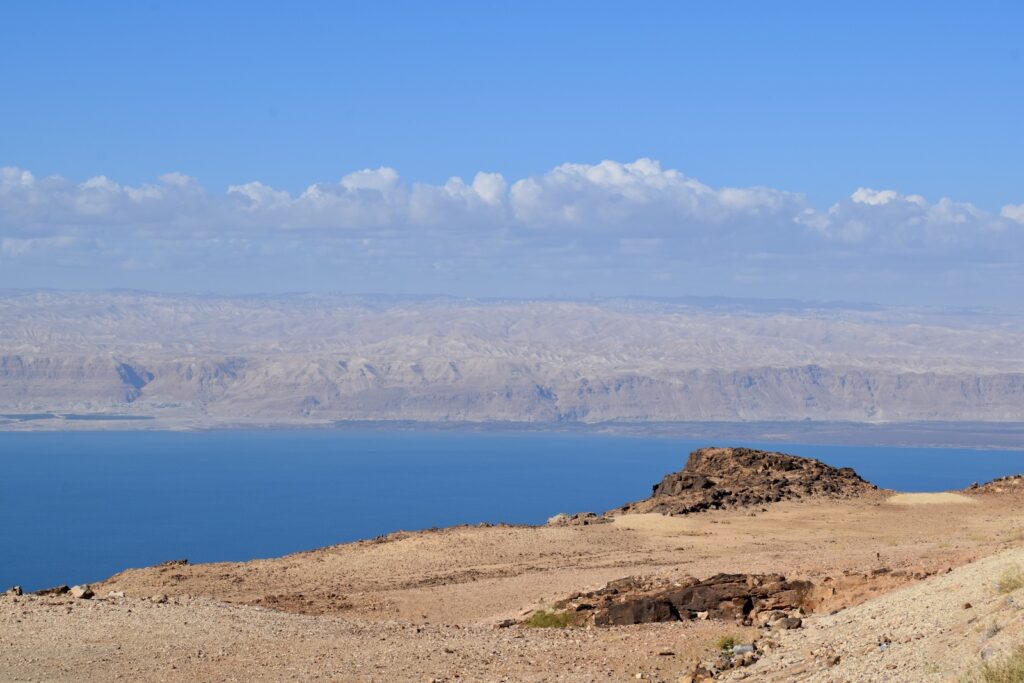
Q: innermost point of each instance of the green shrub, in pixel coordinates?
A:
(550, 619)
(727, 643)
(1009, 669)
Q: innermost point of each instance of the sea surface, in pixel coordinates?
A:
(77, 507)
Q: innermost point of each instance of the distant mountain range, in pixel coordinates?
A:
(316, 359)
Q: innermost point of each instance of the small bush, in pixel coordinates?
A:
(1011, 580)
(550, 619)
(1009, 669)
(727, 643)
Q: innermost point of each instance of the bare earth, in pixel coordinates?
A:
(423, 606)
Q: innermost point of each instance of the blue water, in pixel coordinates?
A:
(77, 507)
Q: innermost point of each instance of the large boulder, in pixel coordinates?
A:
(81, 592)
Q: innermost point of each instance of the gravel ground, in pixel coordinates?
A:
(61, 639)
(937, 630)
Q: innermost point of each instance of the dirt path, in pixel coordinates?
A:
(940, 498)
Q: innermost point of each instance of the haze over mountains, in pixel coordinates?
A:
(316, 359)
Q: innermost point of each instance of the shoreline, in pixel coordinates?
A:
(1002, 436)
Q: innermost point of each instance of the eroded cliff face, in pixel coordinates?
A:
(321, 359)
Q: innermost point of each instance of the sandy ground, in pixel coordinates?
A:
(941, 498)
(427, 605)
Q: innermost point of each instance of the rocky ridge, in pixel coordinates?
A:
(1011, 485)
(723, 478)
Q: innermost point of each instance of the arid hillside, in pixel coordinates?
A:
(871, 587)
(314, 360)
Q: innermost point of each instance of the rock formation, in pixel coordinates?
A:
(739, 597)
(719, 478)
(1011, 485)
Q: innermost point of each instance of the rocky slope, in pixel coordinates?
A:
(721, 478)
(943, 629)
(315, 360)
(1012, 485)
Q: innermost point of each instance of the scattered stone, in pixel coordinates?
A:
(577, 519)
(158, 599)
(13, 590)
(766, 617)
(81, 592)
(115, 594)
(1011, 485)
(967, 605)
(56, 590)
(174, 563)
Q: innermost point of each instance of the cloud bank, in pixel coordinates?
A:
(605, 228)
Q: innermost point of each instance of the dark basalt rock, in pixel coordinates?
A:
(737, 597)
(719, 478)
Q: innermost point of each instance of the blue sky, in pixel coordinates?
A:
(811, 100)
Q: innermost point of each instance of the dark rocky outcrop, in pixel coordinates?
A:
(719, 478)
(738, 597)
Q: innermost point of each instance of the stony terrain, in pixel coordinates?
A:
(936, 630)
(1011, 486)
(313, 360)
(858, 587)
(717, 478)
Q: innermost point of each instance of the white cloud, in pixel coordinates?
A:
(898, 222)
(382, 180)
(586, 225)
(31, 206)
(637, 198)
(255, 196)
(1013, 212)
